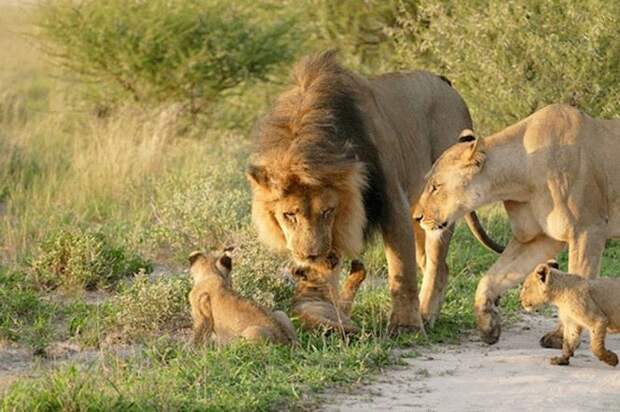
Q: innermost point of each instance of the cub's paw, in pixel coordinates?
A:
(559, 360)
(552, 340)
(610, 358)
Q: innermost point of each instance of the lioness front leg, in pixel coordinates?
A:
(517, 260)
(400, 254)
(435, 275)
(585, 248)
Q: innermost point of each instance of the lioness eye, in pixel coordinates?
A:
(327, 212)
(290, 216)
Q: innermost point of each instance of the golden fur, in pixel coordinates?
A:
(582, 303)
(317, 303)
(558, 176)
(218, 309)
(339, 155)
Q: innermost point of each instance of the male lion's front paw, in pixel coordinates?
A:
(559, 360)
(552, 340)
(402, 321)
(489, 323)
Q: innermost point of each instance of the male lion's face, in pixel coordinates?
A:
(306, 216)
(452, 188)
(534, 290)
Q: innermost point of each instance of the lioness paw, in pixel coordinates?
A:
(559, 360)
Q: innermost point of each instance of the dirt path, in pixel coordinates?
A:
(513, 375)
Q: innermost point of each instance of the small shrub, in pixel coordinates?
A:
(81, 259)
(147, 307)
(162, 51)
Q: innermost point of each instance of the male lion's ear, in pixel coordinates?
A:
(543, 272)
(258, 175)
(467, 135)
(299, 273)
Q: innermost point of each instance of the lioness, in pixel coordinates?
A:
(557, 173)
(339, 154)
(581, 303)
(317, 302)
(216, 308)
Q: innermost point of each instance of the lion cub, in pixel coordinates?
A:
(593, 304)
(317, 302)
(217, 308)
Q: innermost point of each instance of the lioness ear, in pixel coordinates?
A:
(543, 272)
(553, 263)
(467, 135)
(258, 175)
(224, 264)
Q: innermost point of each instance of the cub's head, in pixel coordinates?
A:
(210, 266)
(454, 186)
(536, 286)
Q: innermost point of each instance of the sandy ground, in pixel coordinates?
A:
(513, 375)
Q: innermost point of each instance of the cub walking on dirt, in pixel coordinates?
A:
(317, 302)
(216, 307)
(593, 304)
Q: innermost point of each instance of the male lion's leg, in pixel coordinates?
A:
(585, 249)
(399, 251)
(420, 246)
(351, 286)
(435, 276)
(512, 266)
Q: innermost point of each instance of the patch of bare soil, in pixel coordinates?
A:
(513, 375)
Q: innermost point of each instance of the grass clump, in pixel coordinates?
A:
(82, 260)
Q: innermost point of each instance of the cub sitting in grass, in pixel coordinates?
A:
(593, 304)
(217, 308)
(317, 302)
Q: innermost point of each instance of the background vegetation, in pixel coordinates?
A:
(124, 132)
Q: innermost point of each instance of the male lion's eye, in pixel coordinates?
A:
(327, 212)
(434, 187)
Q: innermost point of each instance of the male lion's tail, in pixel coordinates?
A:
(479, 233)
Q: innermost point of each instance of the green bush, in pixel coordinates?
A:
(509, 59)
(162, 51)
(82, 259)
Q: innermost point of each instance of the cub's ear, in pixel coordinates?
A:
(193, 257)
(224, 264)
(553, 263)
(300, 273)
(542, 271)
(467, 135)
(257, 175)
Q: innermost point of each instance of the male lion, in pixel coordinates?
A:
(338, 155)
(217, 308)
(581, 303)
(558, 176)
(317, 302)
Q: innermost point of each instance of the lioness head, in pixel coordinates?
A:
(453, 186)
(204, 266)
(535, 288)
